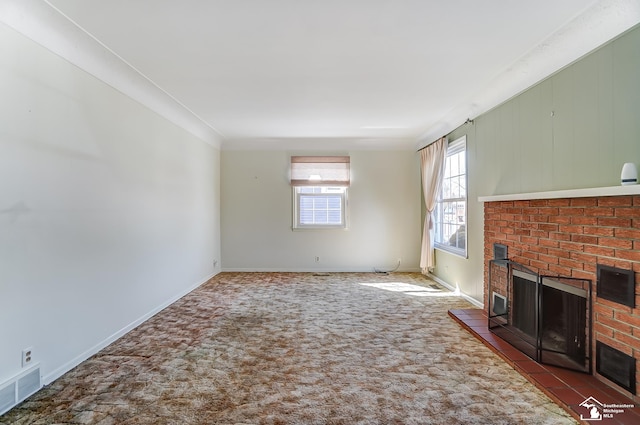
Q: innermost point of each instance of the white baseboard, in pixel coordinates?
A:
(457, 290)
(47, 379)
(312, 270)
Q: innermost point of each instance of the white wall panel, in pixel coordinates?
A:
(384, 209)
(107, 211)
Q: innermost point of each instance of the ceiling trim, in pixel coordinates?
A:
(319, 144)
(600, 23)
(44, 24)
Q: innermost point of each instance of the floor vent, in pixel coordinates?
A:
(18, 388)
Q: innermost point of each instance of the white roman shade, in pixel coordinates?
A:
(320, 171)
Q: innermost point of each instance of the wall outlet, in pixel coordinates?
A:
(317, 259)
(215, 263)
(27, 356)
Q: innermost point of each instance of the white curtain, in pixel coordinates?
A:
(432, 167)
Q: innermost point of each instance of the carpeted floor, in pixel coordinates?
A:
(296, 348)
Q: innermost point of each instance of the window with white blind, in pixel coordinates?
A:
(320, 186)
(450, 214)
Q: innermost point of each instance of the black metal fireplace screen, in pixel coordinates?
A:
(546, 317)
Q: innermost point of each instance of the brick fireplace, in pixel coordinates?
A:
(570, 237)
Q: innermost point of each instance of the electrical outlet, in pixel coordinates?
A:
(215, 263)
(317, 259)
(27, 356)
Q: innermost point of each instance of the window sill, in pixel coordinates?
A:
(452, 251)
(325, 228)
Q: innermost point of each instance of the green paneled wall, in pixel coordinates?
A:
(574, 129)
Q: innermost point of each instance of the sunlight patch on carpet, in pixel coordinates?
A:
(409, 289)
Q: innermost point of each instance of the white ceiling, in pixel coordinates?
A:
(343, 73)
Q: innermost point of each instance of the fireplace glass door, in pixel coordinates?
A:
(547, 318)
(563, 324)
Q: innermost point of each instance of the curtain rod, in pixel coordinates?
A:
(468, 121)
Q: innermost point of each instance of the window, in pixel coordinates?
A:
(318, 206)
(450, 214)
(320, 186)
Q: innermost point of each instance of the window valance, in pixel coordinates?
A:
(320, 171)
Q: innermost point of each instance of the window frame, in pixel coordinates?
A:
(344, 210)
(454, 148)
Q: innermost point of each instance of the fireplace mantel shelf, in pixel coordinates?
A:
(569, 193)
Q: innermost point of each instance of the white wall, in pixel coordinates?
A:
(107, 211)
(256, 214)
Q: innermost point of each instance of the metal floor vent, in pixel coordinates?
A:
(18, 388)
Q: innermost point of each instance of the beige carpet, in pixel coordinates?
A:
(295, 348)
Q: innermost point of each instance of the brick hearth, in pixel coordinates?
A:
(566, 387)
(569, 237)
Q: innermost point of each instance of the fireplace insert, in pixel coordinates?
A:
(545, 317)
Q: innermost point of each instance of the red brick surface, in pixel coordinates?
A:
(569, 237)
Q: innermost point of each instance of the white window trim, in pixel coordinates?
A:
(459, 145)
(297, 226)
